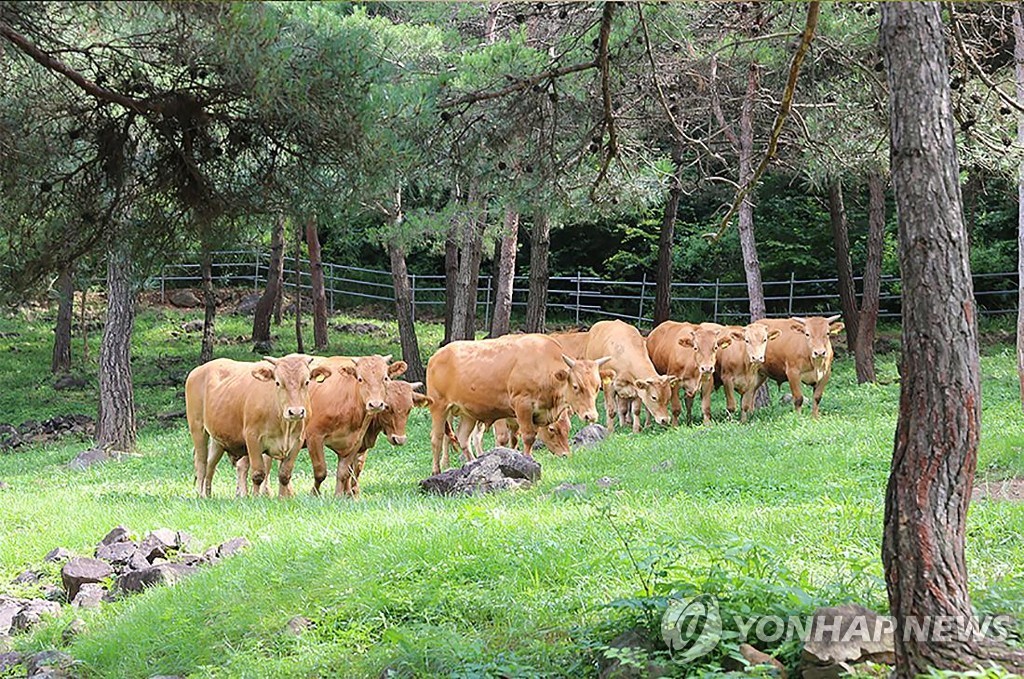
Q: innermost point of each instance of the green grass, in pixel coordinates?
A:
(512, 584)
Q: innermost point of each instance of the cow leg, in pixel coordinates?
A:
(513, 434)
(200, 455)
(268, 465)
(438, 434)
(634, 407)
(214, 451)
(315, 444)
(793, 376)
(284, 475)
(609, 407)
(677, 407)
(254, 449)
(689, 408)
(242, 476)
(746, 404)
(342, 486)
(819, 390)
(524, 417)
(730, 395)
(706, 389)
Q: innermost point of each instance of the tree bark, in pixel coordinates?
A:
(405, 314)
(209, 307)
(298, 289)
(867, 322)
(937, 430)
(115, 425)
(748, 243)
(540, 246)
(844, 267)
(265, 307)
(451, 278)
(507, 249)
(316, 275)
(666, 242)
(1018, 60)
(61, 361)
(468, 280)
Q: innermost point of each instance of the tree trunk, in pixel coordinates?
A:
(937, 431)
(298, 289)
(868, 320)
(748, 244)
(316, 275)
(844, 267)
(467, 283)
(115, 425)
(405, 314)
(666, 242)
(265, 306)
(540, 246)
(61, 361)
(209, 307)
(1018, 58)
(451, 278)
(502, 319)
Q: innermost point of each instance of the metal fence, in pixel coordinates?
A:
(576, 298)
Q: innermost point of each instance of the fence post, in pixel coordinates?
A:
(791, 281)
(256, 276)
(577, 297)
(412, 295)
(163, 283)
(716, 300)
(643, 289)
(330, 277)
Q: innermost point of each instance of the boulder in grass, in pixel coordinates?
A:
(51, 664)
(589, 436)
(118, 553)
(184, 299)
(9, 609)
(90, 595)
(231, 547)
(32, 614)
(58, 554)
(116, 534)
(843, 636)
(161, 574)
(80, 570)
(498, 469)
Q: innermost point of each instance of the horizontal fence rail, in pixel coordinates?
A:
(578, 298)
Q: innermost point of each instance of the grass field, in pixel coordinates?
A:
(782, 513)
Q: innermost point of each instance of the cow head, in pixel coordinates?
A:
(656, 394)
(818, 330)
(582, 382)
(556, 434)
(705, 343)
(402, 397)
(372, 373)
(291, 375)
(755, 337)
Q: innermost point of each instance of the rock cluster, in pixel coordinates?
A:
(498, 469)
(34, 431)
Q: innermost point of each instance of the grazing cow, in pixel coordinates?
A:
(527, 377)
(470, 435)
(688, 352)
(802, 353)
(635, 379)
(739, 364)
(246, 410)
(343, 410)
(402, 397)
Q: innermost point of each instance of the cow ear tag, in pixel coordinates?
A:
(606, 380)
(321, 377)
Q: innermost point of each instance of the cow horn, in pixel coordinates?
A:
(568, 361)
(309, 361)
(799, 319)
(601, 361)
(833, 319)
(270, 359)
(387, 359)
(415, 385)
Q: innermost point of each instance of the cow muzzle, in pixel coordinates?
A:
(294, 413)
(590, 416)
(664, 421)
(707, 369)
(757, 360)
(375, 406)
(818, 353)
(397, 440)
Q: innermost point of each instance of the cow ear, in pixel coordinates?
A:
(686, 341)
(640, 384)
(673, 381)
(736, 335)
(397, 368)
(263, 373)
(421, 401)
(561, 375)
(797, 327)
(607, 376)
(349, 370)
(320, 373)
(772, 334)
(724, 342)
(836, 328)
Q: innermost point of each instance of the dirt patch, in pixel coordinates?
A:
(1011, 490)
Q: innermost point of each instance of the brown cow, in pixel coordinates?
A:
(636, 380)
(470, 435)
(528, 377)
(573, 343)
(801, 353)
(343, 410)
(689, 353)
(739, 365)
(248, 409)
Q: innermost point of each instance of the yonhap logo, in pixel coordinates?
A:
(691, 627)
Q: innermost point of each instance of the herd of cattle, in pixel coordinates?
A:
(523, 386)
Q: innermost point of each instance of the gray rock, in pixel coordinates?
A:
(232, 547)
(49, 664)
(247, 305)
(589, 436)
(162, 574)
(67, 382)
(185, 299)
(119, 553)
(786, 398)
(52, 592)
(10, 661)
(32, 614)
(58, 554)
(192, 559)
(74, 628)
(297, 625)
(186, 541)
(90, 595)
(81, 570)
(26, 578)
(606, 482)
(663, 466)
(151, 548)
(165, 536)
(88, 458)
(117, 534)
(3, 486)
(845, 635)
(9, 609)
(138, 561)
(192, 326)
(570, 490)
(610, 667)
(498, 469)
